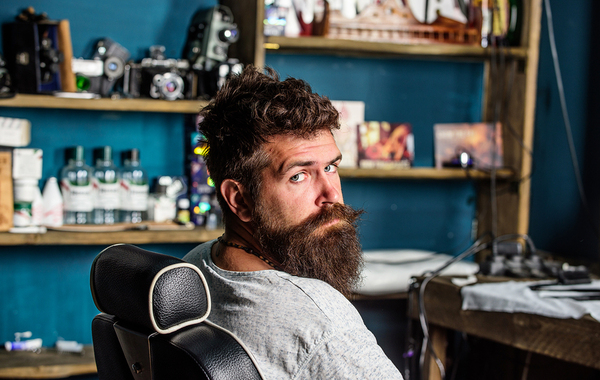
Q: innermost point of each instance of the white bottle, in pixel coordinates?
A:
(37, 208)
(24, 194)
(53, 204)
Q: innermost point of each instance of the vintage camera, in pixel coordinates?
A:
(32, 53)
(210, 33)
(102, 73)
(209, 82)
(159, 77)
(6, 90)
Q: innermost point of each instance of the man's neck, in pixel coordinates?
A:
(237, 259)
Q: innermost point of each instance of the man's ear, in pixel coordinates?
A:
(237, 199)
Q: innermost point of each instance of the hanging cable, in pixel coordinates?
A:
(563, 102)
(565, 114)
(477, 246)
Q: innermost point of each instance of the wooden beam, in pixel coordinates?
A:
(531, 71)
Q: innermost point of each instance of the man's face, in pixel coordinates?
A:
(299, 215)
(302, 177)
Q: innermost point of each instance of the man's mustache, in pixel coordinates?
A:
(328, 214)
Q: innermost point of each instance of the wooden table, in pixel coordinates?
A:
(48, 364)
(572, 340)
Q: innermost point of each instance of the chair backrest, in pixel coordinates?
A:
(153, 321)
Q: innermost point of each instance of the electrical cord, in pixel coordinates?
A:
(498, 69)
(477, 246)
(565, 114)
(563, 102)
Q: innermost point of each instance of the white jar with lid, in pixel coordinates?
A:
(24, 189)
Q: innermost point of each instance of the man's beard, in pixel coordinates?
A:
(332, 254)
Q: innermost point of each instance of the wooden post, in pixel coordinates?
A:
(439, 342)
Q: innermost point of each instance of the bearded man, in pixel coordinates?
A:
(280, 275)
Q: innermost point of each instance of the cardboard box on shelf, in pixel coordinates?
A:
(352, 114)
(474, 140)
(6, 191)
(27, 163)
(14, 132)
(384, 145)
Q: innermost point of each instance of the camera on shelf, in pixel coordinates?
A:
(209, 82)
(159, 77)
(6, 90)
(32, 53)
(210, 34)
(102, 73)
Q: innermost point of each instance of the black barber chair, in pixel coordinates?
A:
(153, 323)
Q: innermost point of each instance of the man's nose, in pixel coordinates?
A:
(329, 191)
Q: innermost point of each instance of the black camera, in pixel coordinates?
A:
(32, 53)
(6, 90)
(209, 82)
(102, 73)
(159, 77)
(210, 33)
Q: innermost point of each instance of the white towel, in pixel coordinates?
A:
(517, 297)
(389, 271)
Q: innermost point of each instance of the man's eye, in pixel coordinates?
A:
(331, 168)
(298, 177)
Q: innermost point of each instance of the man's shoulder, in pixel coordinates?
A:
(195, 256)
(302, 296)
(323, 297)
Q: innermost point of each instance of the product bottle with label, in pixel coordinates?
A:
(76, 186)
(105, 183)
(134, 189)
(53, 204)
(24, 197)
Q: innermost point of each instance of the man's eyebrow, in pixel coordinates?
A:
(294, 164)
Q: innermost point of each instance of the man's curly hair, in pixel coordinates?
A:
(249, 109)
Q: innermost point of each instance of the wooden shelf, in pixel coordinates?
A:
(318, 45)
(424, 173)
(104, 104)
(200, 235)
(197, 235)
(48, 364)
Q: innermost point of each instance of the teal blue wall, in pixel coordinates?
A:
(559, 222)
(46, 289)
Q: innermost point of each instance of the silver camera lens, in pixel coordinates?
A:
(113, 68)
(229, 35)
(167, 86)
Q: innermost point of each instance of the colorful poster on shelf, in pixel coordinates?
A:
(352, 114)
(468, 145)
(385, 145)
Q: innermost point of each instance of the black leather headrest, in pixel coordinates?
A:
(159, 292)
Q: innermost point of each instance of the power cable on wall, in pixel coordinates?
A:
(565, 115)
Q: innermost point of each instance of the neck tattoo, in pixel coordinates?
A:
(250, 251)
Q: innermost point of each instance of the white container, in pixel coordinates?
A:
(22, 214)
(53, 204)
(24, 189)
(27, 163)
(37, 208)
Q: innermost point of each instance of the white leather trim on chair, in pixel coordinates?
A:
(241, 344)
(186, 323)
